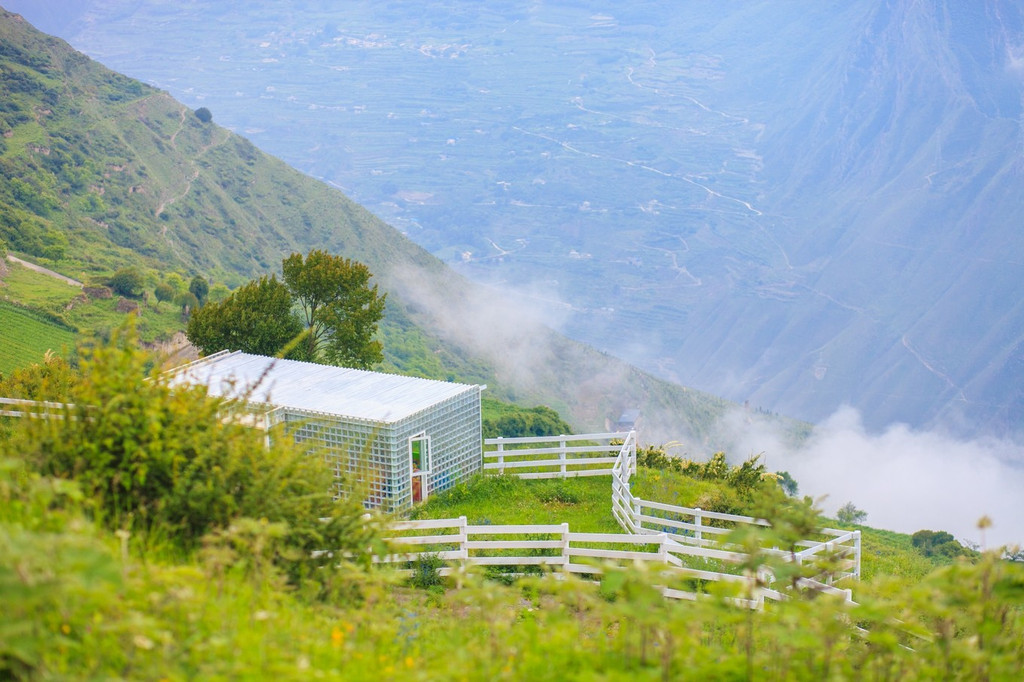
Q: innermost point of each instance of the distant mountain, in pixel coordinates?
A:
(800, 204)
(101, 172)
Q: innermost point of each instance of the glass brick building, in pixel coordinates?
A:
(394, 439)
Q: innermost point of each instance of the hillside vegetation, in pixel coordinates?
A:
(801, 204)
(110, 568)
(108, 173)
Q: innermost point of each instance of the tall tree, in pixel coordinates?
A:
(256, 318)
(199, 288)
(339, 306)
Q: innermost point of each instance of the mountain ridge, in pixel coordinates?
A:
(132, 177)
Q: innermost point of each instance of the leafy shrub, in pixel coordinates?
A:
(849, 515)
(179, 463)
(50, 379)
(744, 478)
(187, 301)
(164, 292)
(127, 282)
(787, 483)
(937, 543)
(722, 500)
(426, 572)
(199, 288)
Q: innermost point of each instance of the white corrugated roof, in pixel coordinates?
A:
(341, 391)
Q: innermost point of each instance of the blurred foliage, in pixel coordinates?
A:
(177, 463)
(933, 543)
(87, 595)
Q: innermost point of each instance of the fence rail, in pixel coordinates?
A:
(559, 549)
(32, 408)
(591, 454)
(687, 526)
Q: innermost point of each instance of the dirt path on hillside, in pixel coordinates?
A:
(44, 271)
(189, 179)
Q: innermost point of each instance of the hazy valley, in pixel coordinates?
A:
(802, 207)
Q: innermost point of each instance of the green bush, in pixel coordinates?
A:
(176, 463)
(126, 282)
(933, 543)
(512, 421)
(426, 572)
(743, 479)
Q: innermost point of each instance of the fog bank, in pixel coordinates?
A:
(906, 480)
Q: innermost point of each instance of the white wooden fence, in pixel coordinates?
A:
(559, 550)
(566, 456)
(592, 454)
(16, 407)
(668, 535)
(701, 528)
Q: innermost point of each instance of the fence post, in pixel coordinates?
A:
(856, 546)
(632, 451)
(561, 454)
(463, 539)
(637, 523)
(662, 549)
(697, 532)
(565, 547)
(501, 456)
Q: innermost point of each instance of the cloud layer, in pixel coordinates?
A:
(906, 480)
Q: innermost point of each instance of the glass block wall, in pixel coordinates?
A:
(456, 445)
(372, 459)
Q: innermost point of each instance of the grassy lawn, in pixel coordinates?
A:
(153, 324)
(24, 338)
(35, 289)
(583, 503)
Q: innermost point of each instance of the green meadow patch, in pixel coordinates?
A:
(583, 503)
(26, 337)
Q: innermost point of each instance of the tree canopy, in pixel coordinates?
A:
(257, 318)
(127, 282)
(339, 307)
(199, 288)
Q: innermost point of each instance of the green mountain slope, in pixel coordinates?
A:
(801, 204)
(103, 172)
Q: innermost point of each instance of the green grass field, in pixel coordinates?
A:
(585, 504)
(37, 290)
(24, 338)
